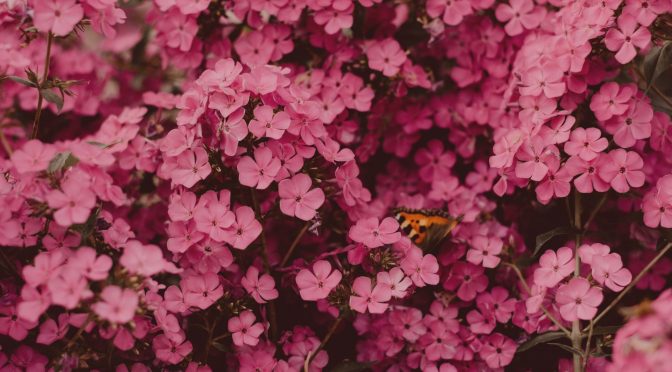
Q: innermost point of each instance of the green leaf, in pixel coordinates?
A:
(548, 235)
(52, 97)
(62, 161)
(23, 81)
(98, 144)
(540, 339)
(567, 348)
(351, 366)
(656, 63)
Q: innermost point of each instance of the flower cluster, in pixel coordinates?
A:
(306, 185)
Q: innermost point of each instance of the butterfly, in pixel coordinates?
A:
(425, 227)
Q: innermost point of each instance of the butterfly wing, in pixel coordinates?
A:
(425, 228)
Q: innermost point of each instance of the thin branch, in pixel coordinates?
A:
(326, 339)
(633, 283)
(296, 241)
(5, 144)
(597, 208)
(45, 75)
(529, 292)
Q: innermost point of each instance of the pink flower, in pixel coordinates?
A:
(554, 267)
(395, 280)
(452, 12)
(91, 266)
(547, 79)
(73, 202)
(13, 326)
(626, 37)
(192, 166)
(422, 269)
(117, 304)
(145, 260)
(201, 290)
(244, 230)
(578, 300)
(608, 270)
(533, 156)
(269, 124)
(57, 16)
(498, 351)
(297, 199)
(317, 284)
(244, 330)
(386, 56)
(484, 250)
(519, 15)
(260, 171)
(408, 322)
(611, 100)
(262, 288)
(586, 143)
(366, 297)
(588, 179)
(34, 156)
(68, 288)
(634, 125)
(657, 204)
(233, 130)
(439, 342)
(556, 182)
(468, 279)
(372, 234)
(171, 350)
(623, 170)
(212, 215)
(51, 331)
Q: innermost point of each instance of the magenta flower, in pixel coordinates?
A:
(578, 300)
(244, 330)
(623, 170)
(297, 199)
(260, 171)
(439, 342)
(373, 234)
(386, 56)
(117, 305)
(452, 12)
(57, 16)
(262, 289)
(554, 267)
(395, 280)
(367, 297)
(626, 37)
(317, 284)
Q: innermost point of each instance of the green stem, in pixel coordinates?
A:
(633, 283)
(45, 75)
(296, 241)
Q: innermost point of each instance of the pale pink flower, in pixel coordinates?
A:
(373, 234)
(57, 16)
(554, 267)
(260, 171)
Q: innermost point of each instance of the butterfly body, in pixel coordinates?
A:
(425, 227)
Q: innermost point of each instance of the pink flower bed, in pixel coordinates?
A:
(338, 185)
